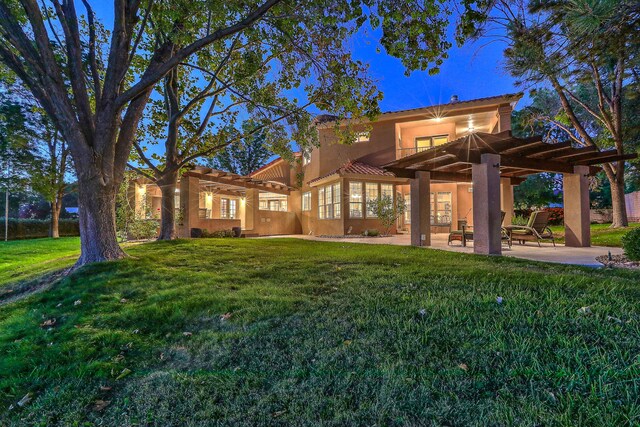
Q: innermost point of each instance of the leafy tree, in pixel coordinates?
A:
(48, 166)
(387, 211)
(586, 53)
(111, 81)
(13, 142)
(243, 157)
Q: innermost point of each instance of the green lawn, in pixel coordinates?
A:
(320, 333)
(26, 259)
(601, 234)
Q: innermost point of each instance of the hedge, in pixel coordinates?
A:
(36, 228)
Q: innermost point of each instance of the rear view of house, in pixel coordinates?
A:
(325, 191)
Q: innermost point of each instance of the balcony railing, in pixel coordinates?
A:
(404, 152)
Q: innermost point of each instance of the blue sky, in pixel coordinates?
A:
(471, 71)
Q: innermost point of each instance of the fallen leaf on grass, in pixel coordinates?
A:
(105, 388)
(278, 413)
(124, 373)
(78, 302)
(499, 300)
(225, 316)
(123, 300)
(187, 334)
(347, 342)
(614, 319)
(463, 366)
(586, 310)
(48, 323)
(26, 399)
(99, 405)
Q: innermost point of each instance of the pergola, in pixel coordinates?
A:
(495, 161)
(227, 181)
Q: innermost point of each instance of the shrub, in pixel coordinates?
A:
(519, 220)
(142, 229)
(556, 216)
(37, 228)
(218, 233)
(372, 232)
(631, 244)
(387, 211)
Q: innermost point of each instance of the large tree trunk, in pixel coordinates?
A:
(618, 203)
(616, 182)
(55, 216)
(168, 188)
(97, 211)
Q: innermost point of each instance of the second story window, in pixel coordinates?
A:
(306, 157)
(363, 136)
(426, 142)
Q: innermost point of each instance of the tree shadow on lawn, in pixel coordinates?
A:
(321, 333)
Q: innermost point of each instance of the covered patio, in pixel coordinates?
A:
(494, 163)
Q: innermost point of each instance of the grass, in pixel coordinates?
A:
(320, 333)
(22, 260)
(601, 234)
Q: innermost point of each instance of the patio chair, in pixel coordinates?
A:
(537, 229)
(466, 233)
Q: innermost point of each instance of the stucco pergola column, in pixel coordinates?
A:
(251, 206)
(486, 205)
(506, 199)
(420, 209)
(576, 207)
(189, 202)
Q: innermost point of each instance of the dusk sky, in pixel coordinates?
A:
(470, 72)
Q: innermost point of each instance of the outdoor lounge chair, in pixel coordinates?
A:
(536, 229)
(466, 233)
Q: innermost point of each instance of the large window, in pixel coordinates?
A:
(441, 208)
(425, 142)
(329, 201)
(306, 201)
(372, 194)
(272, 202)
(228, 208)
(355, 200)
(363, 137)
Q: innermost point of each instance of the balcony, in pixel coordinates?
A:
(404, 152)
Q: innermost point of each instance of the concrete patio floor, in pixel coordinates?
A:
(547, 253)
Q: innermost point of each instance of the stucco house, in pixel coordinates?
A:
(451, 163)
(324, 192)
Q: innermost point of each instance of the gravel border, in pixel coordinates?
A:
(620, 261)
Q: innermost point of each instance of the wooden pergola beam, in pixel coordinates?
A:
(279, 189)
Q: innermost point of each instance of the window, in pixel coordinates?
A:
(355, 200)
(329, 201)
(386, 190)
(363, 136)
(228, 208)
(425, 142)
(272, 202)
(306, 201)
(407, 210)
(441, 208)
(371, 194)
(306, 157)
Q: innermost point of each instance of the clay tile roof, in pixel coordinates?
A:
(356, 168)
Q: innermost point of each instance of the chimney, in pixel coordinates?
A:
(454, 98)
